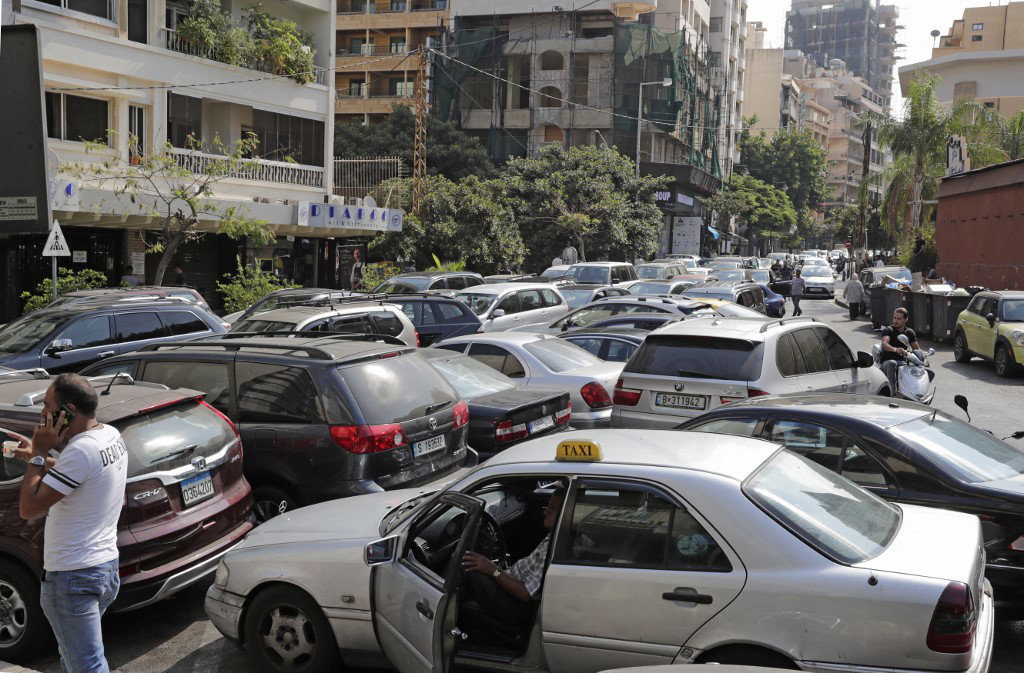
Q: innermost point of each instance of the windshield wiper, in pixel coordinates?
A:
(695, 375)
(434, 407)
(175, 454)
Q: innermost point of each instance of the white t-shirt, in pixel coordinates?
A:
(81, 529)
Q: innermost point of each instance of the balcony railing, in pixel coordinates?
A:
(372, 50)
(389, 6)
(261, 170)
(175, 43)
(350, 93)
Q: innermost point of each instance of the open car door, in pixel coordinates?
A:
(415, 594)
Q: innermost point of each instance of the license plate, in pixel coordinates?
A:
(673, 401)
(196, 489)
(428, 446)
(542, 424)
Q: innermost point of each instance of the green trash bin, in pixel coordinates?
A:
(894, 299)
(921, 313)
(945, 310)
(877, 295)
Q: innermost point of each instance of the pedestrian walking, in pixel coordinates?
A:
(355, 276)
(854, 295)
(796, 291)
(129, 279)
(80, 493)
(179, 275)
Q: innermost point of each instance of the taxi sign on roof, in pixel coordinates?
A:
(581, 450)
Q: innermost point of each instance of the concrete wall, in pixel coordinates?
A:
(763, 87)
(506, 7)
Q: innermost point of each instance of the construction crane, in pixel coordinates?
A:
(419, 160)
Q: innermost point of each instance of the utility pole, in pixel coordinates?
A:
(419, 169)
(864, 191)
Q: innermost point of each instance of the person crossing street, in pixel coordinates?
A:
(796, 291)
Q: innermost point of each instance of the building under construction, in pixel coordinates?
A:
(860, 33)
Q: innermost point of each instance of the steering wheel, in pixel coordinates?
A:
(490, 541)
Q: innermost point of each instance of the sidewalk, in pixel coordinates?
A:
(11, 668)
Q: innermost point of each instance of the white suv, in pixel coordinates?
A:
(503, 306)
(689, 367)
(353, 315)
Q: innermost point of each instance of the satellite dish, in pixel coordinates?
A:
(935, 33)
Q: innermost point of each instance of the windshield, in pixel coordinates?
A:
(599, 275)
(587, 316)
(559, 356)
(900, 274)
(697, 357)
(970, 454)
(469, 377)
(401, 513)
(651, 271)
(830, 513)
(650, 288)
(724, 265)
(816, 272)
(576, 298)
(731, 274)
(23, 334)
(760, 276)
(257, 325)
(552, 272)
(1013, 310)
(404, 284)
(478, 303)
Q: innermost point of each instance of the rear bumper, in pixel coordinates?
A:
(587, 420)
(626, 418)
(225, 611)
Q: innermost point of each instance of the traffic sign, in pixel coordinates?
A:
(56, 245)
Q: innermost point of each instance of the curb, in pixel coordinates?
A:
(11, 668)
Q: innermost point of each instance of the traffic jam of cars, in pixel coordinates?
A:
(598, 467)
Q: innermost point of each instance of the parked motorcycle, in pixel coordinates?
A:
(914, 377)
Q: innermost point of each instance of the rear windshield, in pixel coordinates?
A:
(651, 271)
(714, 293)
(397, 389)
(731, 274)
(827, 511)
(816, 272)
(589, 274)
(397, 285)
(576, 297)
(262, 326)
(970, 454)
(163, 439)
(650, 288)
(697, 357)
(478, 303)
(471, 378)
(559, 356)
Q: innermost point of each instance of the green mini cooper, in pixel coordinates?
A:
(992, 327)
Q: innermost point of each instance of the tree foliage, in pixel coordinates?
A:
(248, 285)
(67, 281)
(451, 152)
(767, 210)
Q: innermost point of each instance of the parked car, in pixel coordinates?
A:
(743, 293)
(904, 452)
(615, 306)
(556, 271)
(186, 502)
(715, 266)
(436, 317)
(690, 367)
(541, 361)
(289, 297)
(602, 273)
(68, 338)
(873, 275)
(732, 275)
(774, 303)
(704, 548)
(819, 281)
(664, 287)
(992, 327)
(611, 344)
(351, 315)
(189, 295)
(418, 281)
(501, 411)
(660, 270)
(320, 417)
(504, 306)
(579, 294)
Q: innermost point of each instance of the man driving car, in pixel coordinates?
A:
(892, 350)
(507, 595)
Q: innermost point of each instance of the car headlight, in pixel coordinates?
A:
(1017, 337)
(220, 578)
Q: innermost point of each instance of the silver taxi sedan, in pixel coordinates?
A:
(627, 548)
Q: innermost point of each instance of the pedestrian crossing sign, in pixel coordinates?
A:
(56, 245)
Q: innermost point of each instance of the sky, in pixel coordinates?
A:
(919, 17)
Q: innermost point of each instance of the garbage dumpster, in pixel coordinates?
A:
(921, 313)
(894, 299)
(877, 293)
(945, 310)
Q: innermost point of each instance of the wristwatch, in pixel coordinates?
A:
(497, 573)
(38, 461)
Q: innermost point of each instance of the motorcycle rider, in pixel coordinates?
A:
(892, 352)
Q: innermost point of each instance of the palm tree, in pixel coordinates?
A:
(1010, 135)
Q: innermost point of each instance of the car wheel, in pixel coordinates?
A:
(747, 655)
(1005, 366)
(23, 626)
(960, 352)
(270, 501)
(285, 630)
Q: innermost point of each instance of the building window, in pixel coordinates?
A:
(359, 45)
(397, 45)
(283, 137)
(184, 119)
(977, 26)
(990, 104)
(137, 130)
(550, 97)
(76, 118)
(100, 8)
(357, 88)
(553, 134)
(975, 38)
(551, 60)
(715, 25)
(399, 87)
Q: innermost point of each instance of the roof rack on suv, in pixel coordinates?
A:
(252, 341)
(122, 379)
(34, 372)
(785, 321)
(332, 301)
(643, 297)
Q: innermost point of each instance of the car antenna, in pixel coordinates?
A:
(112, 379)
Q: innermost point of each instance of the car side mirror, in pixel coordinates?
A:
(991, 318)
(864, 360)
(497, 313)
(381, 551)
(60, 345)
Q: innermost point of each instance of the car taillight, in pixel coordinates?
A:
(562, 416)
(727, 400)
(506, 432)
(368, 438)
(625, 396)
(220, 413)
(417, 338)
(952, 627)
(461, 413)
(754, 392)
(595, 395)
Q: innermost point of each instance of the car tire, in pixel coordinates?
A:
(24, 629)
(285, 630)
(960, 352)
(747, 655)
(1004, 363)
(270, 501)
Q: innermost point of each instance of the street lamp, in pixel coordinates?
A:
(640, 115)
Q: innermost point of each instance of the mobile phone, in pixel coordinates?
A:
(68, 414)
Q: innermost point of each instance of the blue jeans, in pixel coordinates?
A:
(73, 602)
(796, 303)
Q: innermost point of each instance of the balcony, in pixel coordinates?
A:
(174, 43)
(374, 92)
(259, 170)
(372, 50)
(389, 6)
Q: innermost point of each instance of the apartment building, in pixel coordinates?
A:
(981, 57)
(374, 68)
(728, 38)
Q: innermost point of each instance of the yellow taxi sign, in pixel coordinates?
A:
(581, 450)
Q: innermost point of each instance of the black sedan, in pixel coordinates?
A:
(501, 413)
(905, 452)
(613, 344)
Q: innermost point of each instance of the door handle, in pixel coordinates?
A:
(845, 386)
(107, 354)
(424, 608)
(687, 595)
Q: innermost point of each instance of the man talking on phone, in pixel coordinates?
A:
(80, 492)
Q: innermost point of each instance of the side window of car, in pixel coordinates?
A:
(448, 312)
(357, 323)
(455, 347)
(138, 326)
(509, 304)
(619, 351)
(437, 284)
(990, 306)
(530, 300)
(473, 280)
(211, 378)
(276, 394)
(127, 367)
(88, 332)
(822, 445)
(386, 322)
(788, 358)
(839, 355)
(634, 526)
(183, 322)
(862, 468)
(815, 357)
(976, 305)
(589, 344)
(550, 298)
(741, 427)
(413, 310)
(457, 282)
(498, 358)
(758, 295)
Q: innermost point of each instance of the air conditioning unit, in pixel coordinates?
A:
(336, 200)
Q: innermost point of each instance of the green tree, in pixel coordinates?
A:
(588, 197)
(768, 211)
(844, 222)
(726, 203)
(451, 152)
(67, 281)
(248, 285)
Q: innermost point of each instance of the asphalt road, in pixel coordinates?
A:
(174, 636)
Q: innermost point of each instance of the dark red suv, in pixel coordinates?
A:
(186, 502)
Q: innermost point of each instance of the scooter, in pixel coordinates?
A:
(914, 378)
